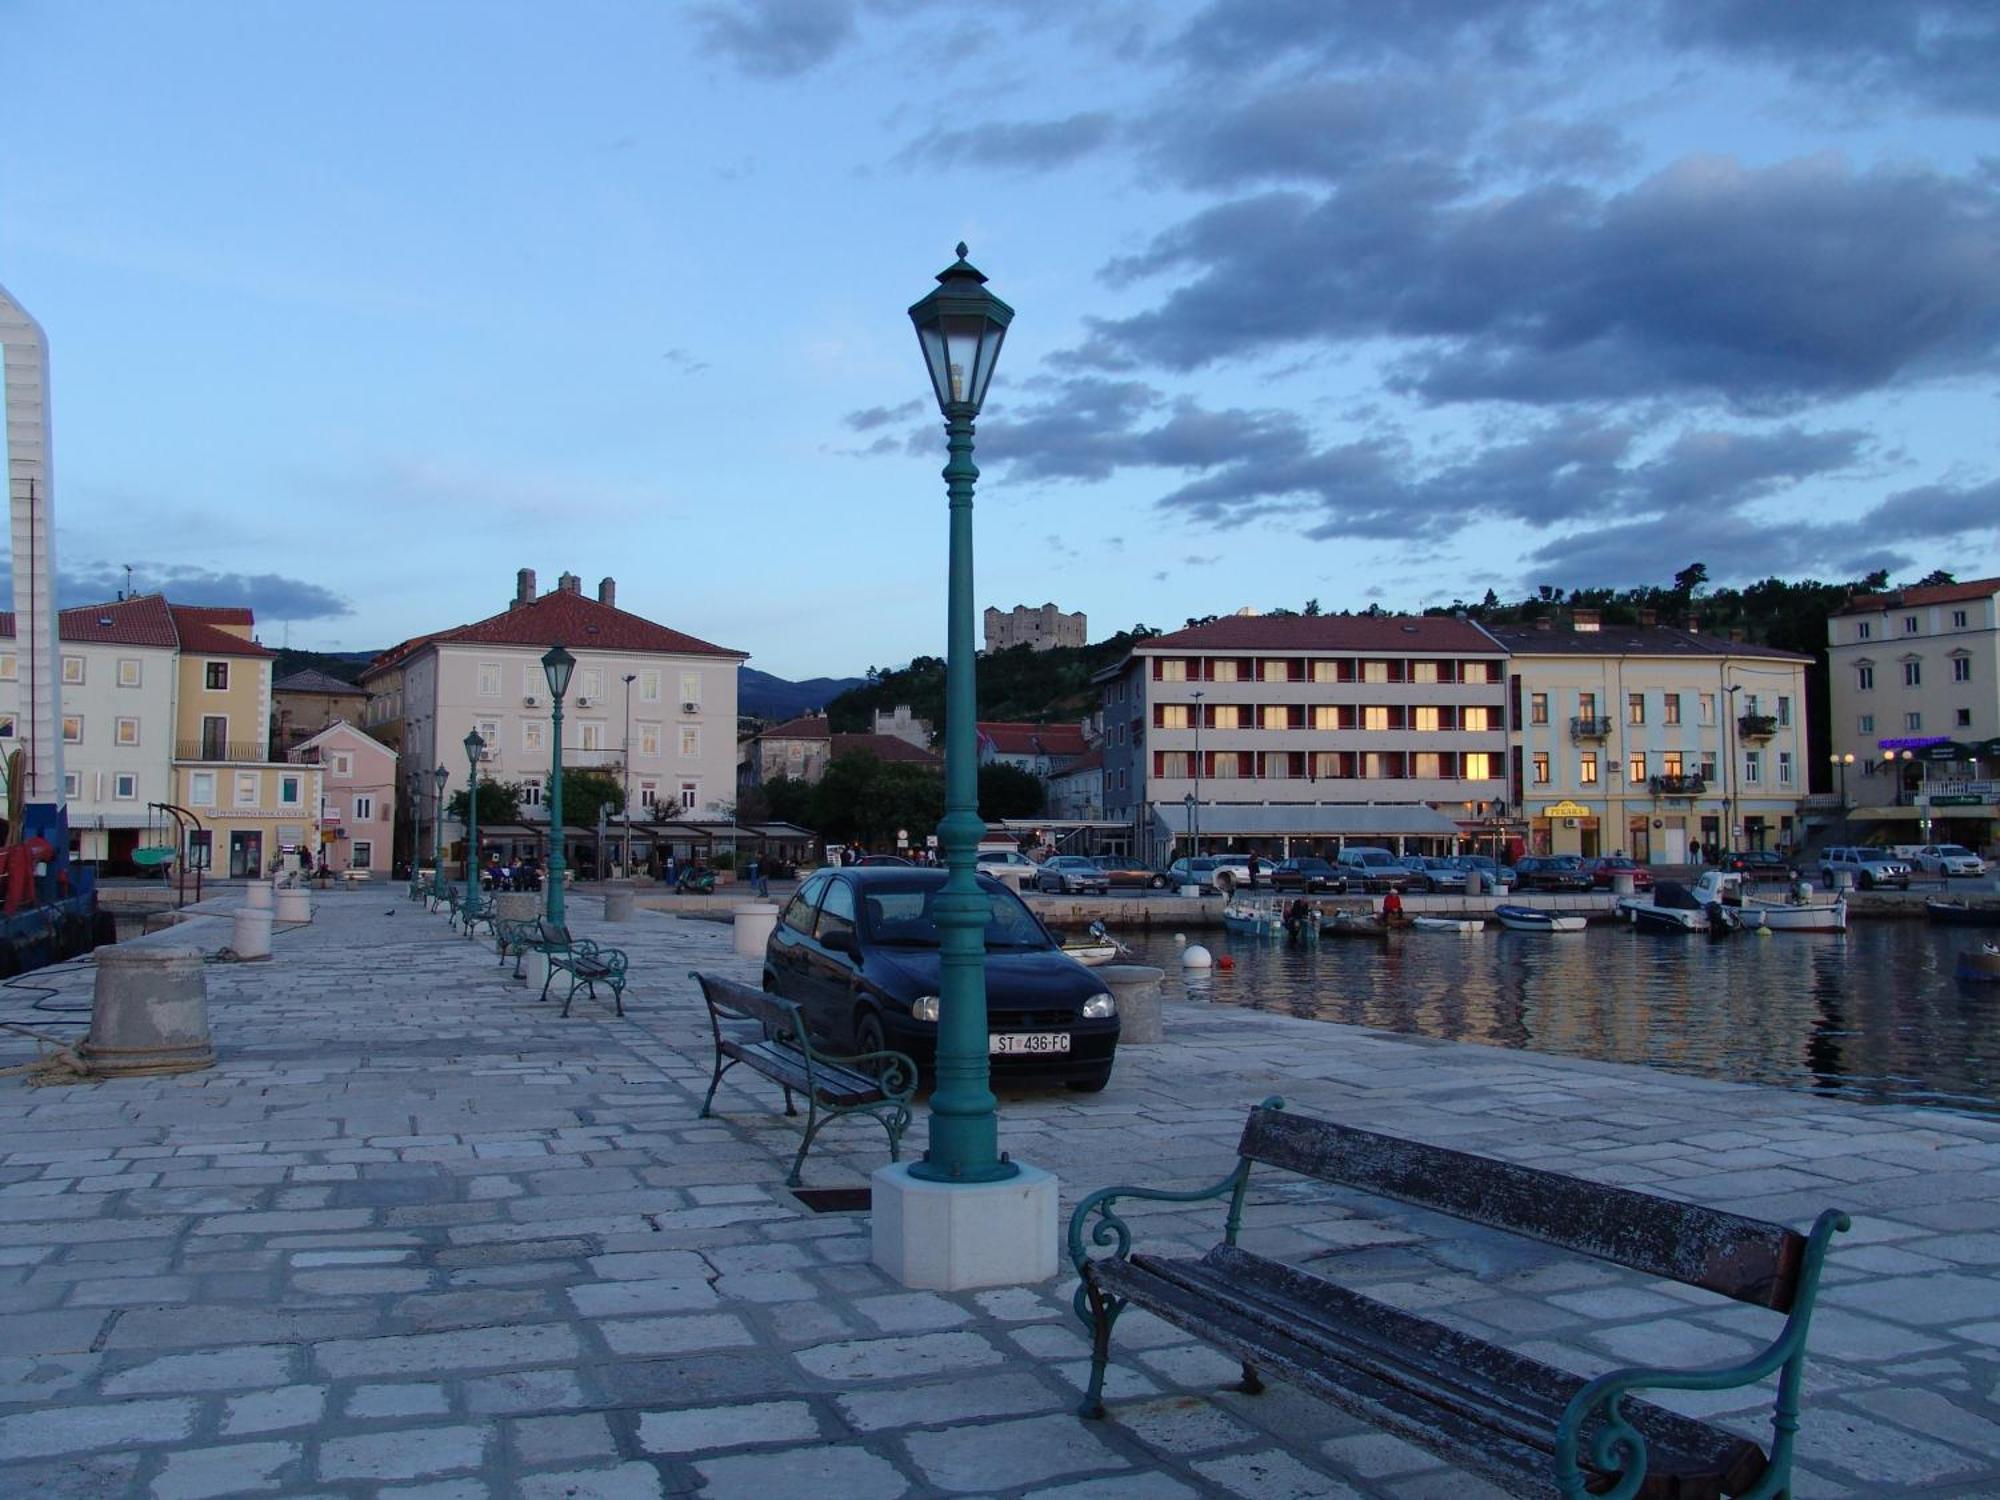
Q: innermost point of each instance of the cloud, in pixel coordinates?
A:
(1031, 145)
(1088, 428)
(271, 596)
(776, 38)
(1234, 34)
(871, 417)
(1761, 287)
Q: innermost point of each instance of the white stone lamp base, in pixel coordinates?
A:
(951, 1237)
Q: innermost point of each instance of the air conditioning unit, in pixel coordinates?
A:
(583, 703)
(690, 708)
(530, 701)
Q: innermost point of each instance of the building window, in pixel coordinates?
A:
(216, 676)
(531, 792)
(1958, 619)
(690, 741)
(1477, 717)
(649, 741)
(72, 786)
(649, 794)
(1913, 722)
(1225, 716)
(1276, 716)
(130, 671)
(1909, 624)
(6, 726)
(1670, 763)
(125, 787)
(590, 734)
(590, 683)
(1423, 671)
(1961, 669)
(1913, 674)
(201, 789)
(1479, 766)
(1784, 768)
(125, 731)
(1171, 716)
(1586, 705)
(1704, 708)
(1784, 711)
(489, 679)
(72, 728)
(10, 668)
(1635, 708)
(343, 763)
(691, 693)
(531, 734)
(1864, 679)
(289, 790)
(1425, 718)
(1863, 630)
(246, 788)
(72, 670)
(1707, 771)
(649, 685)
(1171, 765)
(1635, 770)
(1538, 708)
(1670, 708)
(364, 808)
(690, 791)
(1753, 767)
(1586, 771)
(1169, 669)
(1325, 716)
(363, 855)
(1325, 671)
(1375, 716)
(1374, 671)
(1964, 718)
(489, 731)
(1865, 724)
(1541, 768)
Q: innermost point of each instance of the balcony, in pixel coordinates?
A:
(220, 750)
(1678, 786)
(1756, 726)
(1594, 727)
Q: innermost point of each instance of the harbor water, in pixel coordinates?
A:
(1874, 1014)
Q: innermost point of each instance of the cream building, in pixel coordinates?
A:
(1915, 690)
(677, 713)
(1638, 739)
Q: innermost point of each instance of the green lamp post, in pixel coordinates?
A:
(474, 746)
(557, 664)
(440, 776)
(960, 327)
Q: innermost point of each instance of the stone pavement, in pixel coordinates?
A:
(416, 1237)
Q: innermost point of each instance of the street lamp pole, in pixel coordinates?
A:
(473, 746)
(1841, 763)
(960, 327)
(1194, 817)
(557, 664)
(439, 777)
(626, 863)
(1729, 765)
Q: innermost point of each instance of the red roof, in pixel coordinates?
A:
(883, 747)
(1034, 739)
(1916, 598)
(1094, 761)
(148, 620)
(1441, 634)
(562, 617)
(200, 630)
(804, 727)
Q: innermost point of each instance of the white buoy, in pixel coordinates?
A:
(1195, 957)
(1180, 937)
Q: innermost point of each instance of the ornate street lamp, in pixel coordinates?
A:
(439, 777)
(1841, 763)
(474, 748)
(557, 664)
(1194, 804)
(626, 863)
(960, 327)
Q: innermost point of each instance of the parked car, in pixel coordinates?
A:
(1433, 872)
(1605, 866)
(1064, 873)
(1869, 867)
(1202, 870)
(1374, 870)
(868, 861)
(1551, 872)
(1001, 861)
(1307, 873)
(1759, 864)
(1130, 870)
(858, 950)
(1495, 873)
(1948, 860)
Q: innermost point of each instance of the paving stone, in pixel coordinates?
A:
(897, 1358)
(404, 1453)
(912, 1312)
(707, 1428)
(87, 1429)
(404, 1399)
(54, 1332)
(963, 1398)
(1118, 1487)
(254, 1367)
(654, 1265)
(523, 1391)
(470, 1349)
(614, 1299)
(88, 1476)
(1028, 1451)
(239, 1469)
(631, 1481)
(675, 1335)
(824, 1473)
(1181, 1424)
(274, 1411)
(361, 1281)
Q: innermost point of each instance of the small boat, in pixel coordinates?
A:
(1099, 948)
(1671, 907)
(1980, 965)
(1463, 926)
(1345, 922)
(1534, 919)
(1244, 919)
(1800, 910)
(1958, 912)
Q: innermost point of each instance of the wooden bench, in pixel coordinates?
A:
(1528, 1427)
(586, 963)
(516, 938)
(877, 1084)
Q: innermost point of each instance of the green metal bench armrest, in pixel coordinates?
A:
(586, 948)
(1620, 1449)
(898, 1076)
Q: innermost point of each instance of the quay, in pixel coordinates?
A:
(415, 1236)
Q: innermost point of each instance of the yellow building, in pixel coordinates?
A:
(256, 815)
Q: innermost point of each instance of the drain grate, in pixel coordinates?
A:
(834, 1200)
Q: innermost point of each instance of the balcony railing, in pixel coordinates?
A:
(1593, 727)
(251, 750)
(1756, 726)
(1678, 786)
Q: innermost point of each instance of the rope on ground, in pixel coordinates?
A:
(59, 1064)
(67, 1060)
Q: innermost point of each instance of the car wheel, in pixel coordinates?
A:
(1092, 1083)
(1865, 881)
(1156, 883)
(868, 1035)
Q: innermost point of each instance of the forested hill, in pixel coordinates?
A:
(1020, 684)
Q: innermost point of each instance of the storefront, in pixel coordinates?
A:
(1566, 827)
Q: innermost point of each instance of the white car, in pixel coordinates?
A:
(1948, 860)
(999, 863)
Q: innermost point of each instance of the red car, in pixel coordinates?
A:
(1605, 866)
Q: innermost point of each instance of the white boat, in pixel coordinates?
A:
(1534, 919)
(1091, 954)
(1671, 907)
(1463, 926)
(1799, 911)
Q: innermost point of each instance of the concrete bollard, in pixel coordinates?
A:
(1621, 883)
(1136, 988)
(1843, 881)
(257, 895)
(252, 937)
(1190, 890)
(535, 969)
(754, 922)
(148, 1012)
(517, 906)
(294, 905)
(619, 902)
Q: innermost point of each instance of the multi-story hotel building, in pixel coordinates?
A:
(1638, 739)
(1290, 734)
(1915, 692)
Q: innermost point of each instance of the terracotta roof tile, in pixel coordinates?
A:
(1399, 633)
(804, 727)
(885, 747)
(200, 630)
(562, 617)
(312, 680)
(1916, 598)
(139, 621)
(1034, 739)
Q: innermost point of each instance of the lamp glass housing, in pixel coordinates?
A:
(557, 664)
(960, 328)
(441, 776)
(473, 745)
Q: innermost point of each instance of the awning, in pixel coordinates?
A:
(1308, 820)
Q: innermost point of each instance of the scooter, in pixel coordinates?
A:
(695, 883)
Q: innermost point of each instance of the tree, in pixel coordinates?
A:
(1690, 578)
(1312, 608)
(787, 799)
(584, 792)
(867, 799)
(1009, 792)
(499, 802)
(1935, 577)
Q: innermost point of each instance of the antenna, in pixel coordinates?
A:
(128, 582)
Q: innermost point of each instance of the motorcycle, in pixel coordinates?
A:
(695, 883)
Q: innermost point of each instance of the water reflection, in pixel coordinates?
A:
(1874, 1014)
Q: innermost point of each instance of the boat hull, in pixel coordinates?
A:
(1533, 919)
(1462, 926)
(1961, 913)
(1811, 916)
(1981, 966)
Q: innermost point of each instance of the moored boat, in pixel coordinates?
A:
(1344, 922)
(1980, 965)
(1800, 910)
(1534, 919)
(1672, 908)
(1958, 912)
(1463, 926)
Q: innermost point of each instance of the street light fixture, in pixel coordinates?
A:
(557, 664)
(626, 863)
(1841, 762)
(439, 778)
(1729, 691)
(960, 327)
(474, 748)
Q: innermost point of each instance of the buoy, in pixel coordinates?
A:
(1194, 956)
(1225, 962)
(1180, 937)
(1763, 932)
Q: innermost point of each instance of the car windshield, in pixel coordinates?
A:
(1954, 851)
(899, 916)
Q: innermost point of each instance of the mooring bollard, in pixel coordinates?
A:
(294, 905)
(252, 937)
(257, 895)
(619, 902)
(1136, 988)
(1622, 883)
(753, 925)
(148, 1012)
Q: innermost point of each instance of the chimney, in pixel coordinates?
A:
(607, 592)
(1648, 618)
(524, 588)
(569, 583)
(1585, 621)
(1736, 632)
(1693, 624)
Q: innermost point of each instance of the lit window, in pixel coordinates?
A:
(1424, 718)
(72, 669)
(72, 728)
(1635, 708)
(1586, 771)
(1222, 669)
(9, 667)
(531, 734)
(690, 741)
(1670, 763)
(1325, 671)
(126, 731)
(1375, 716)
(130, 671)
(1670, 708)
(1172, 716)
(1538, 708)
(1541, 768)
(1423, 671)
(1374, 671)
(1170, 669)
(649, 742)
(1479, 766)
(1477, 717)
(1325, 716)
(1224, 716)
(1635, 769)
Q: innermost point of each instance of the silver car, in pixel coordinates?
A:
(1066, 873)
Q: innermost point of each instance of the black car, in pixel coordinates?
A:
(1552, 872)
(858, 950)
(1308, 874)
(1759, 864)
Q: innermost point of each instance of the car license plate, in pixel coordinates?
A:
(1011, 1043)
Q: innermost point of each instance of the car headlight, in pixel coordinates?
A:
(1100, 1007)
(924, 1008)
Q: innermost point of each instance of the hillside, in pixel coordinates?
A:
(1020, 684)
(762, 696)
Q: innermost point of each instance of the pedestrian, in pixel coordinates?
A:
(1253, 872)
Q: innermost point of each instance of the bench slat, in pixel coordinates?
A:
(1746, 1259)
(833, 1085)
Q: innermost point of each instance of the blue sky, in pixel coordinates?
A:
(357, 308)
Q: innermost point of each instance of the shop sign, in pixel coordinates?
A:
(1567, 809)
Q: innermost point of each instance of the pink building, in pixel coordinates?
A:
(358, 797)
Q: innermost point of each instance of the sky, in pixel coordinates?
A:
(357, 308)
